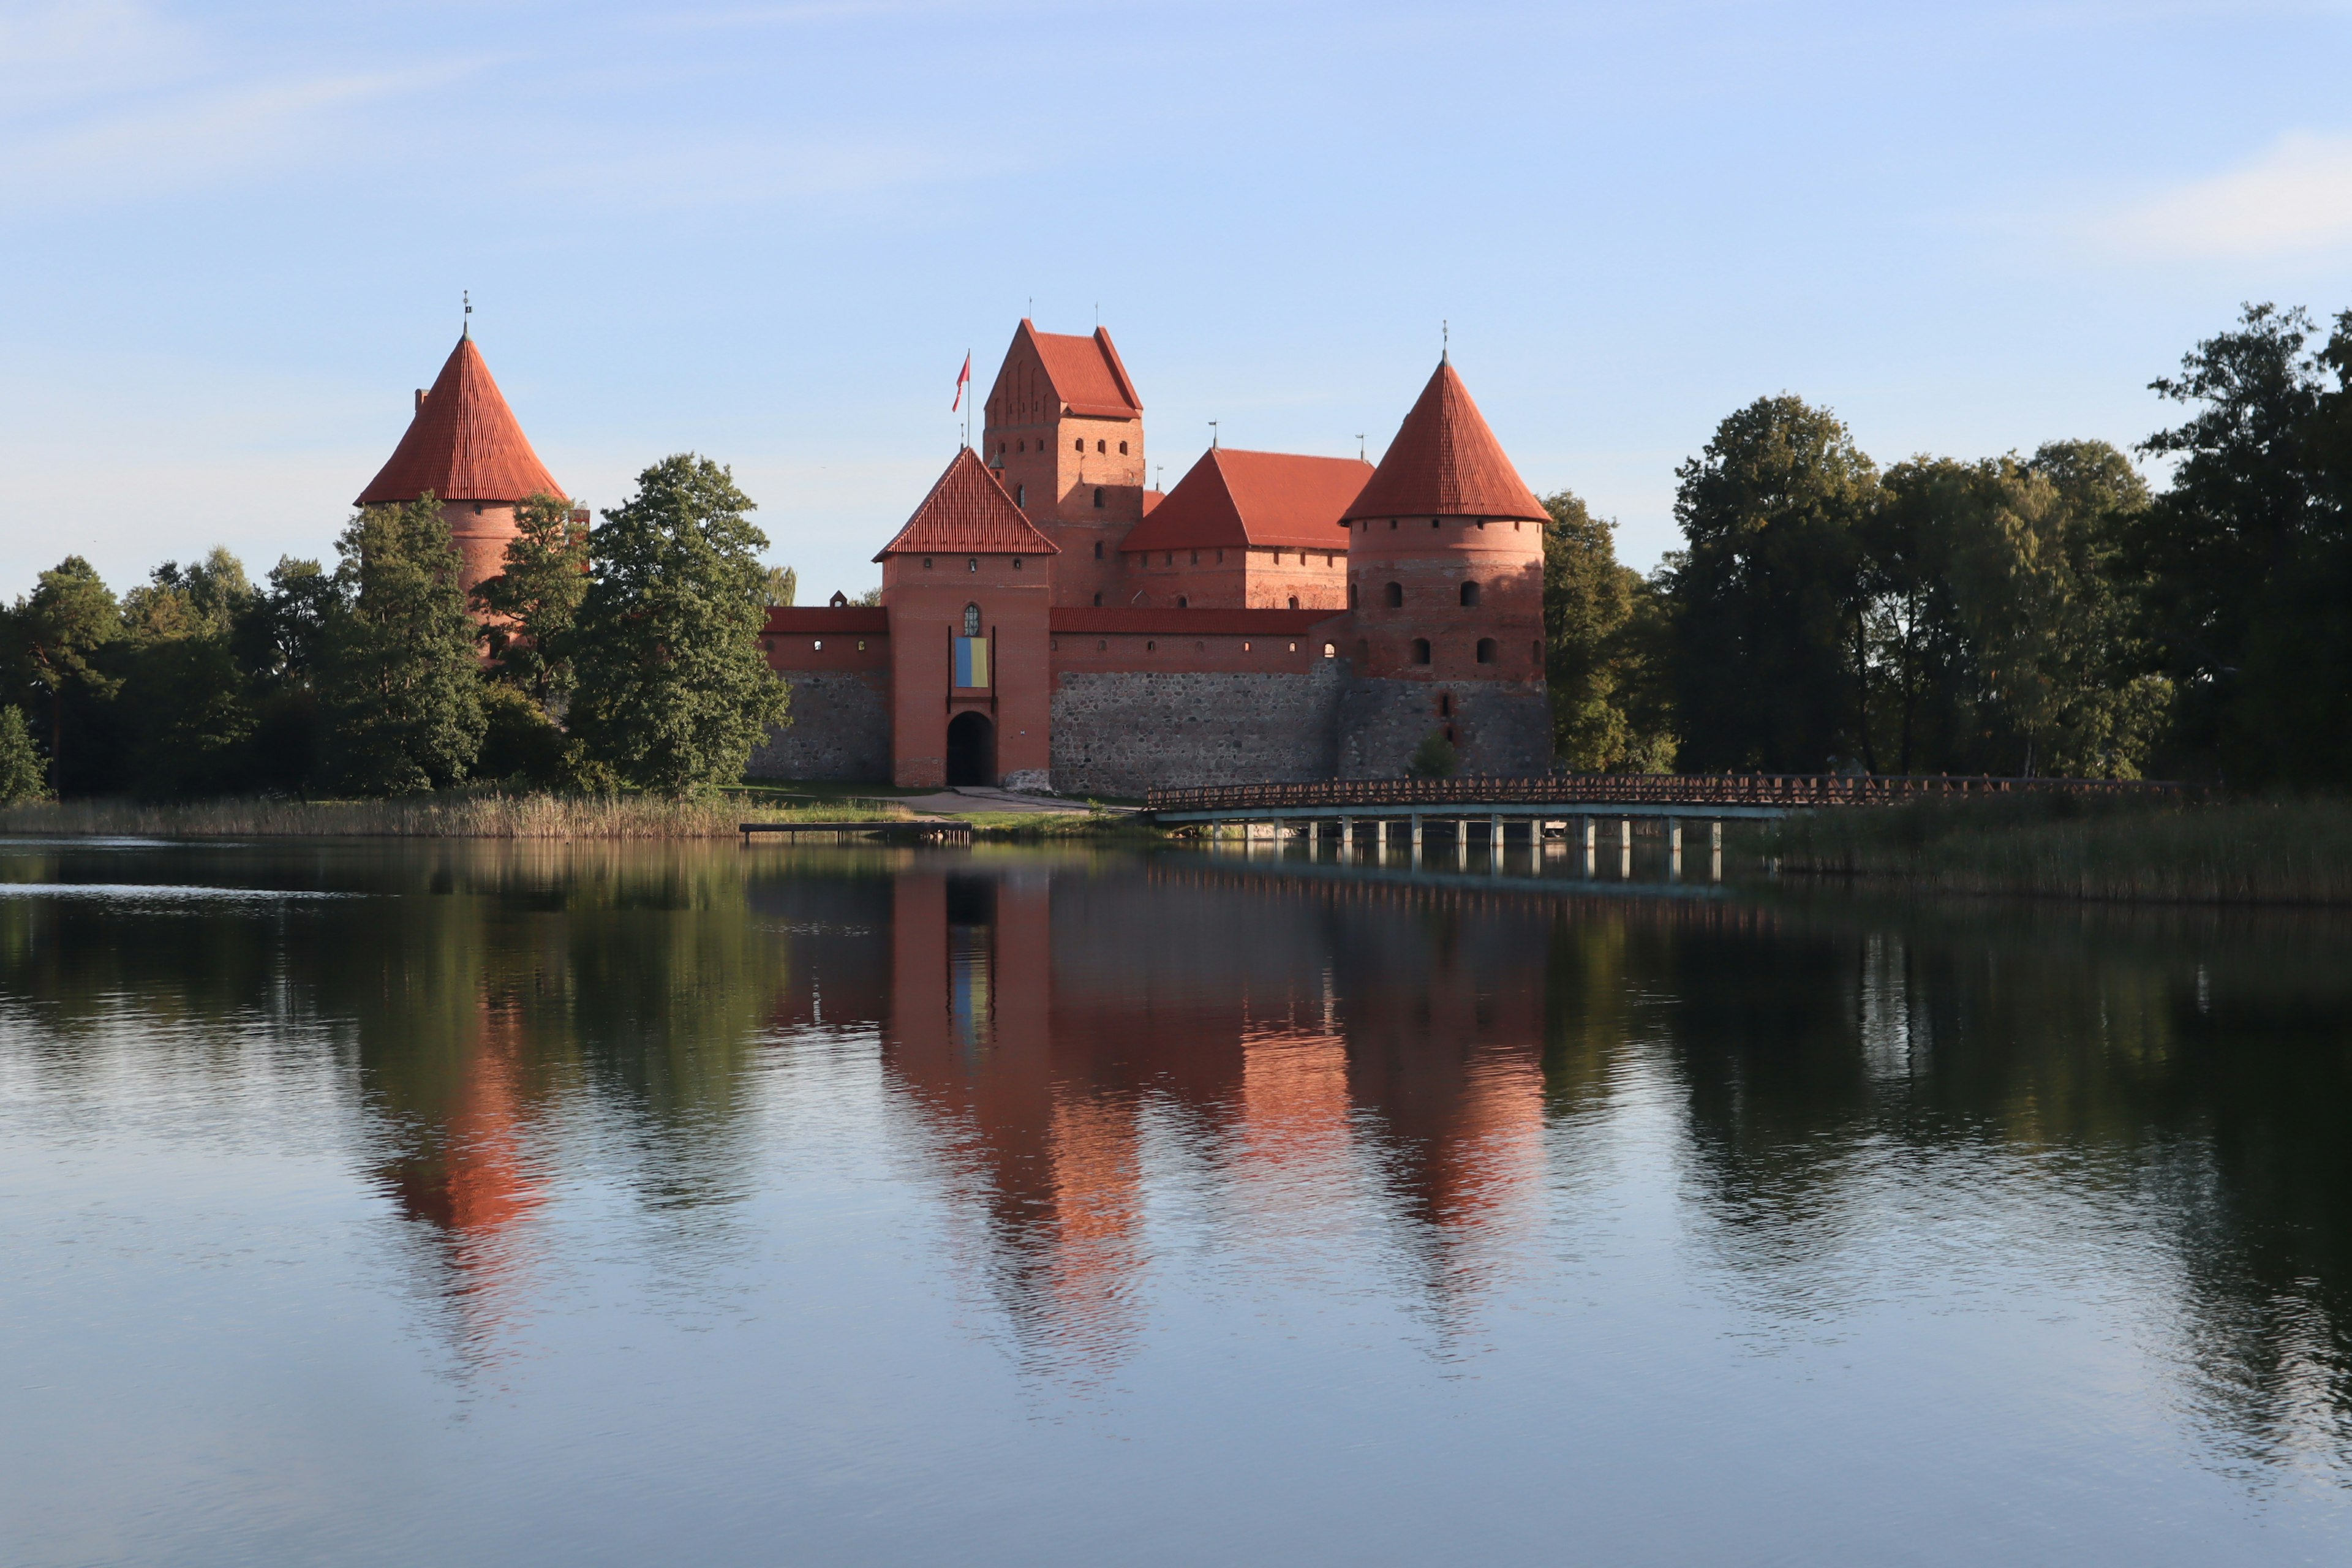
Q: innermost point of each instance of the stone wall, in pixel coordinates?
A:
(840, 729)
(1121, 733)
(1501, 728)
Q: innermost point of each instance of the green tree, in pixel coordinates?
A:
(1434, 758)
(1600, 621)
(184, 708)
(69, 615)
(534, 603)
(1767, 652)
(281, 643)
(784, 583)
(401, 693)
(674, 692)
(20, 761)
(2241, 565)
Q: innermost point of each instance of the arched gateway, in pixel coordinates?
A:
(972, 750)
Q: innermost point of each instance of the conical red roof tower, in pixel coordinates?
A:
(1445, 462)
(464, 444)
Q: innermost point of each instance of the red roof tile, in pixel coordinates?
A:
(1086, 373)
(1079, 621)
(968, 513)
(1272, 500)
(464, 443)
(824, 618)
(1445, 462)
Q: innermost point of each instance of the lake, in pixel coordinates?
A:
(477, 1202)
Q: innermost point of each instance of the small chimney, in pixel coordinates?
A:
(420, 400)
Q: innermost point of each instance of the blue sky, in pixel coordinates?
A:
(233, 236)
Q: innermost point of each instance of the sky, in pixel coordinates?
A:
(233, 236)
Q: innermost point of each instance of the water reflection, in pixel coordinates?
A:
(1104, 1067)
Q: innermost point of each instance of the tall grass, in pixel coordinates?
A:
(487, 814)
(2221, 852)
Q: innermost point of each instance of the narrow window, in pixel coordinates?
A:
(1432, 522)
(1469, 595)
(1020, 495)
(1396, 595)
(1329, 651)
(1221, 558)
(1196, 558)
(1351, 595)
(1445, 705)
(816, 645)
(1294, 647)
(1149, 645)
(1079, 444)
(1016, 563)
(1099, 544)
(1183, 603)
(1100, 446)
(1023, 447)
(972, 564)
(1293, 601)
(1536, 651)
(1098, 495)
(1449, 734)
(1102, 644)
(1245, 647)
(1482, 522)
(927, 563)
(861, 644)
(1420, 650)
(971, 620)
(1053, 645)
(1393, 523)
(1486, 650)
(1122, 448)
(1097, 601)
(1171, 558)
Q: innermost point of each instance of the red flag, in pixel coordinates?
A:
(963, 379)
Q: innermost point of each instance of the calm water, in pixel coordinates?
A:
(482, 1205)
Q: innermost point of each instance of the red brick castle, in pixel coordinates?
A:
(1047, 621)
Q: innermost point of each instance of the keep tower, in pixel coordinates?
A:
(1445, 584)
(1065, 436)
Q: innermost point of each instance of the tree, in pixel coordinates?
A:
(184, 711)
(20, 760)
(783, 584)
(535, 602)
(401, 693)
(2240, 564)
(69, 614)
(1600, 625)
(1768, 653)
(281, 647)
(674, 692)
(1434, 758)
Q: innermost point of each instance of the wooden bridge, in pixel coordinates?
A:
(1456, 806)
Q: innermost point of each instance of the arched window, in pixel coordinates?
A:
(1395, 595)
(1486, 650)
(1099, 544)
(1351, 595)
(1420, 650)
(971, 620)
(1016, 563)
(1098, 495)
(1122, 448)
(1022, 448)
(1445, 705)
(1330, 651)
(927, 563)
(1097, 601)
(1020, 495)
(1196, 558)
(1469, 595)
(972, 564)
(1079, 444)
(1183, 602)
(1102, 447)
(1293, 601)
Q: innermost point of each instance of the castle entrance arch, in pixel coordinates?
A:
(972, 750)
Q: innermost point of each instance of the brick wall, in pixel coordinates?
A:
(1120, 733)
(840, 729)
(1500, 727)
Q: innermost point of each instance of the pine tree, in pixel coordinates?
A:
(20, 762)
(673, 691)
(402, 693)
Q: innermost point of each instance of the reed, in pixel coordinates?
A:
(465, 814)
(2243, 851)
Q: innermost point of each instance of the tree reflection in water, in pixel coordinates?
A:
(1108, 1062)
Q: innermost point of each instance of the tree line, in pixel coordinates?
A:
(2052, 613)
(626, 655)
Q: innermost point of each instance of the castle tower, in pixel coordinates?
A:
(968, 583)
(1065, 436)
(464, 448)
(1445, 581)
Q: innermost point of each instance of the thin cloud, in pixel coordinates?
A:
(2293, 199)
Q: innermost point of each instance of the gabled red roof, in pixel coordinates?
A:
(1079, 620)
(1445, 462)
(968, 513)
(1084, 374)
(464, 443)
(1272, 500)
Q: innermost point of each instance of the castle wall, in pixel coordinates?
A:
(1500, 727)
(1121, 732)
(840, 729)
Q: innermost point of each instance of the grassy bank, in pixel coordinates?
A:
(2222, 852)
(456, 814)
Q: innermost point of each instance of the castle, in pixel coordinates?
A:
(1049, 622)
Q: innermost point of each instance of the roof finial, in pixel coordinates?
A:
(1213, 434)
(1444, 341)
(1360, 445)
(467, 296)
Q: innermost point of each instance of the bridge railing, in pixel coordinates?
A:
(1790, 791)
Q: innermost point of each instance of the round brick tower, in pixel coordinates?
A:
(464, 448)
(1445, 581)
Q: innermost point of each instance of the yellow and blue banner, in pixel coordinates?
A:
(971, 662)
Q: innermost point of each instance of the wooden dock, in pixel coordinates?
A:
(887, 829)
